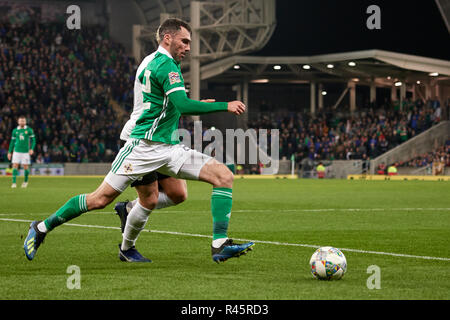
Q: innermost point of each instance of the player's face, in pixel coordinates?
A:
(180, 44)
(22, 122)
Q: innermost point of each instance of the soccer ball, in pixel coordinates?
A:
(328, 263)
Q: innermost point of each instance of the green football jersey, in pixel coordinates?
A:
(159, 120)
(22, 140)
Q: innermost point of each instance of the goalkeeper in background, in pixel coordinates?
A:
(21, 149)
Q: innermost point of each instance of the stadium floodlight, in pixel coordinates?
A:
(398, 84)
(324, 93)
(260, 81)
(277, 67)
(352, 64)
(388, 77)
(236, 67)
(433, 74)
(330, 66)
(418, 82)
(306, 67)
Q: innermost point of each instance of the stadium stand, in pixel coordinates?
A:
(340, 136)
(440, 155)
(63, 82)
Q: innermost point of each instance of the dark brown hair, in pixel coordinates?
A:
(171, 25)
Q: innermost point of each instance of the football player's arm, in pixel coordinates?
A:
(188, 106)
(173, 85)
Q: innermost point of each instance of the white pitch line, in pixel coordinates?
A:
(262, 211)
(256, 241)
(304, 210)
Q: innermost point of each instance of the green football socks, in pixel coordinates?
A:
(14, 175)
(26, 173)
(71, 209)
(221, 202)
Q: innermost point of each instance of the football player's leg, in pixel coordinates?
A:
(123, 208)
(172, 191)
(73, 208)
(80, 204)
(221, 178)
(136, 221)
(26, 174)
(14, 174)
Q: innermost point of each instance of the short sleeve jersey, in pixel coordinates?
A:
(159, 119)
(22, 140)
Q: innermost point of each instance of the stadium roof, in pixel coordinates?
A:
(384, 67)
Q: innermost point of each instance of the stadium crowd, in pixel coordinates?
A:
(340, 136)
(440, 155)
(63, 82)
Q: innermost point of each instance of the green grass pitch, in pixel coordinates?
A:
(403, 227)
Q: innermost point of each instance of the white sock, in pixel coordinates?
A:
(218, 242)
(42, 227)
(136, 220)
(163, 201)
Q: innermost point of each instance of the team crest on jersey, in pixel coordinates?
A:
(128, 168)
(174, 77)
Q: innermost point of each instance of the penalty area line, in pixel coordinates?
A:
(400, 255)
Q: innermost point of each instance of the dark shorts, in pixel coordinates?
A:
(149, 178)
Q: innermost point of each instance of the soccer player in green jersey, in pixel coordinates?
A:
(154, 146)
(21, 148)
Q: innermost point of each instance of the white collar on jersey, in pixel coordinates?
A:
(18, 127)
(164, 51)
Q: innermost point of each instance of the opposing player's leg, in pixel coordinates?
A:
(136, 221)
(124, 207)
(221, 178)
(109, 189)
(172, 191)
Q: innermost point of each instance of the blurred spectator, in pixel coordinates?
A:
(320, 170)
(431, 159)
(392, 170)
(381, 168)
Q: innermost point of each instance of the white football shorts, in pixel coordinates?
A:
(139, 157)
(21, 158)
